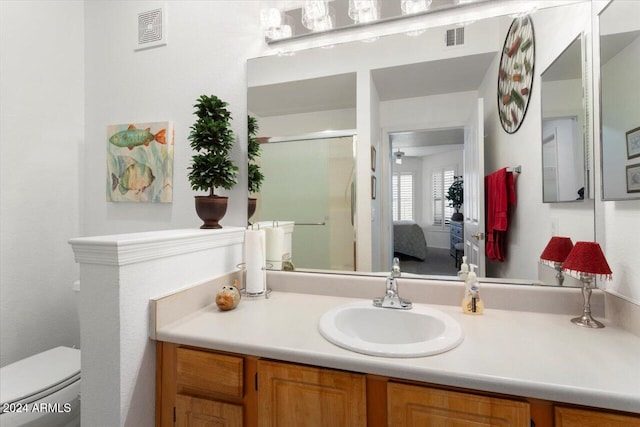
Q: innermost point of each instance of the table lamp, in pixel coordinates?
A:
(556, 252)
(587, 259)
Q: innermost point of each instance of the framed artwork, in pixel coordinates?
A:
(374, 190)
(633, 178)
(633, 143)
(515, 74)
(140, 162)
(373, 158)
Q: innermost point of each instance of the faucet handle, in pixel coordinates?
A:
(395, 269)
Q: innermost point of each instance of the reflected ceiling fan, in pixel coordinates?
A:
(398, 156)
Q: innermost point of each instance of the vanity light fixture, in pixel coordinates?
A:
(275, 24)
(409, 7)
(587, 259)
(364, 11)
(555, 253)
(317, 15)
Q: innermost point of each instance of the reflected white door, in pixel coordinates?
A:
(473, 206)
(309, 182)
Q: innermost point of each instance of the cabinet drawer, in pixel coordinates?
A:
(205, 373)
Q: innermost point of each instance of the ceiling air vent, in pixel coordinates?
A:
(152, 28)
(454, 36)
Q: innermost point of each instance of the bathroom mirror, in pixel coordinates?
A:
(619, 94)
(415, 87)
(563, 122)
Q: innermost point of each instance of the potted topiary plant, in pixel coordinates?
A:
(255, 176)
(454, 195)
(212, 138)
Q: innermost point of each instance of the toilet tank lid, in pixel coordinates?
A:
(38, 373)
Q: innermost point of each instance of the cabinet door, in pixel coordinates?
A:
(293, 395)
(194, 412)
(569, 417)
(209, 374)
(410, 405)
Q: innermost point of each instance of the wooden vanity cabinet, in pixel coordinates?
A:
(294, 395)
(574, 417)
(412, 405)
(198, 387)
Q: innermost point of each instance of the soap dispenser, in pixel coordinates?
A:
(464, 269)
(471, 303)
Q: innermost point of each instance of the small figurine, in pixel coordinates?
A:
(229, 297)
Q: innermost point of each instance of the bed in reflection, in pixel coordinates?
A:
(408, 240)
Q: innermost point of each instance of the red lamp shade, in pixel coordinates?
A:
(587, 257)
(557, 249)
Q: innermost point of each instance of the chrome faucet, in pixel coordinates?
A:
(391, 299)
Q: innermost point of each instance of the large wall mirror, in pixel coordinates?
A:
(417, 95)
(563, 122)
(620, 92)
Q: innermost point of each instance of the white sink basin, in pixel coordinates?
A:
(363, 328)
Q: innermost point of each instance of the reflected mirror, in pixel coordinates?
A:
(563, 116)
(620, 91)
(409, 88)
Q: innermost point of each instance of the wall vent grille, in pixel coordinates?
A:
(151, 28)
(454, 36)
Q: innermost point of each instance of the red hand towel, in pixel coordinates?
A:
(500, 193)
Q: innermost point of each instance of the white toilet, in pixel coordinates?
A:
(42, 390)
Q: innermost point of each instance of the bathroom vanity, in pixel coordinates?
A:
(200, 385)
(265, 363)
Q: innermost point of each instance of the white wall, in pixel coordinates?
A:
(208, 45)
(42, 115)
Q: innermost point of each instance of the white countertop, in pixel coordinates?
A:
(538, 355)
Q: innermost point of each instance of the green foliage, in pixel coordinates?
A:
(212, 138)
(455, 193)
(253, 151)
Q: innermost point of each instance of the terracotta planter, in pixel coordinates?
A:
(211, 209)
(251, 207)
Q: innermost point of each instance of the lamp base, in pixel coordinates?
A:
(587, 321)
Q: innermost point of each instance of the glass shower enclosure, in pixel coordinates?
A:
(310, 180)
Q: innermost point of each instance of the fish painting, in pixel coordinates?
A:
(132, 137)
(136, 177)
(139, 162)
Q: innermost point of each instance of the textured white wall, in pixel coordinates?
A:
(42, 112)
(119, 274)
(208, 45)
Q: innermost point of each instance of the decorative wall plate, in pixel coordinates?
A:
(515, 74)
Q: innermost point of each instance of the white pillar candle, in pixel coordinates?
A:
(255, 260)
(275, 246)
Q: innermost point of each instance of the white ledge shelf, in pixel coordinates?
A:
(124, 249)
